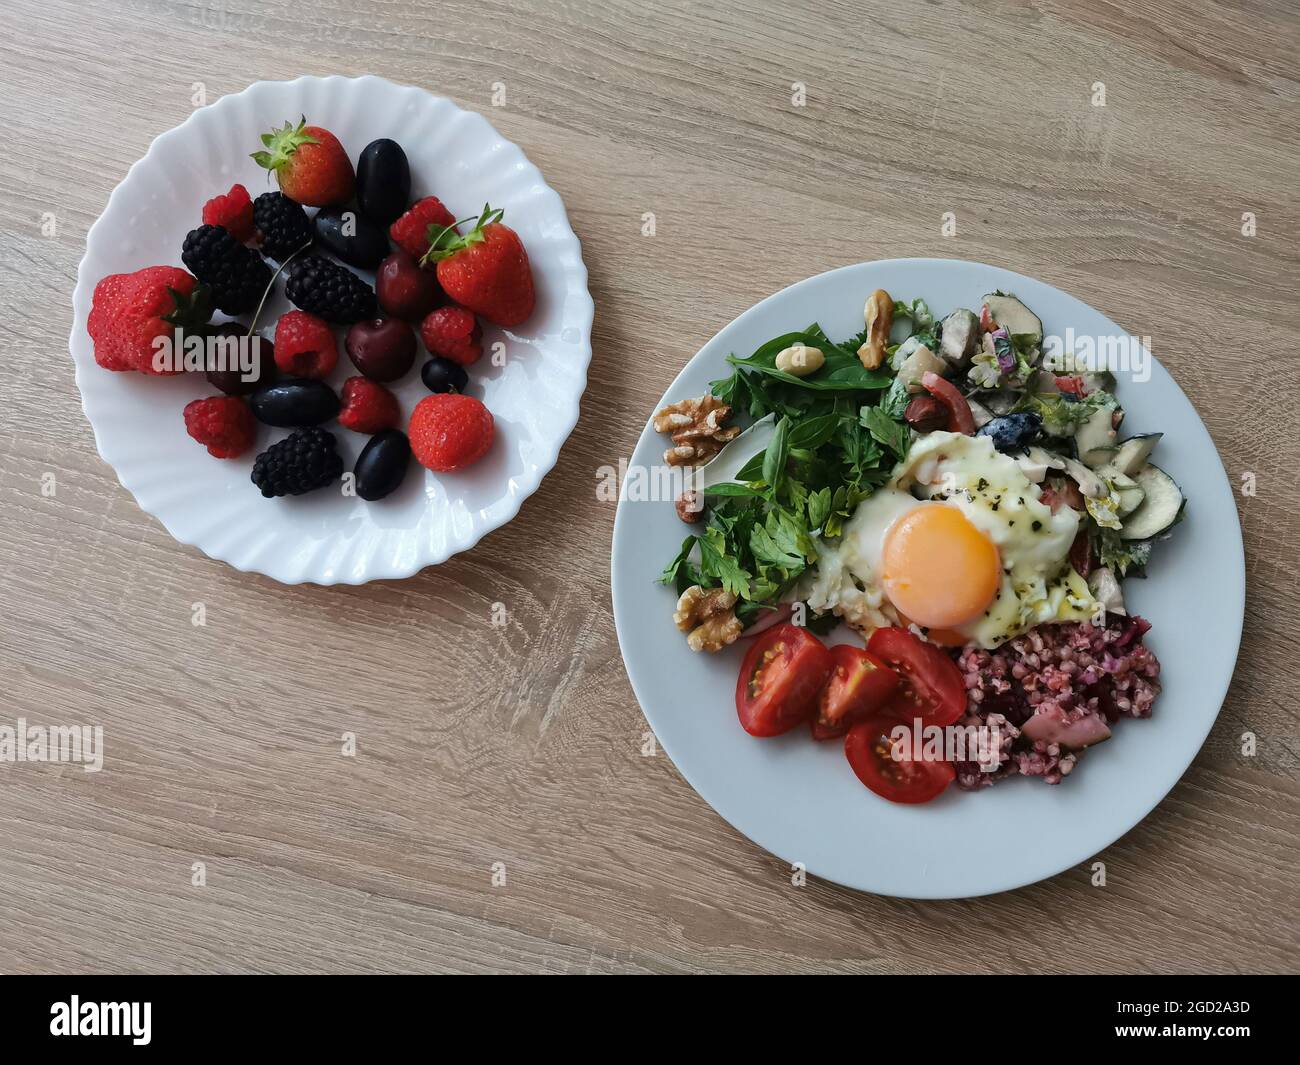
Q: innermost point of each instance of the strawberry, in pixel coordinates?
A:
(368, 407)
(233, 212)
(129, 312)
(223, 424)
(309, 163)
(485, 270)
(426, 217)
(449, 431)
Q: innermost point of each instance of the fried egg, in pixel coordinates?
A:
(957, 543)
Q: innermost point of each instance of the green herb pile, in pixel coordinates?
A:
(838, 433)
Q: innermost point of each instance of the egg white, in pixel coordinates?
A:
(989, 488)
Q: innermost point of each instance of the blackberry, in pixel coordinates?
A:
(284, 225)
(328, 290)
(237, 275)
(302, 461)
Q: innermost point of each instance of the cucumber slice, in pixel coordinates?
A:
(1095, 438)
(1014, 316)
(1129, 491)
(1134, 452)
(1159, 509)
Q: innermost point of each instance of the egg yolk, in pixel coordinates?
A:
(937, 568)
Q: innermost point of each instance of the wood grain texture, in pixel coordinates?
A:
(522, 744)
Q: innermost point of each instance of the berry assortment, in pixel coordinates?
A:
(434, 276)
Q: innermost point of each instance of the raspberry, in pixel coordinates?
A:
(449, 431)
(224, 424)
(453, 333)
(305, 345)
(411, 231)
(368, 407)
(233, 211)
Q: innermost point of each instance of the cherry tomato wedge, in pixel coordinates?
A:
(783, 671)
(860, 684)
(1071, 385)
(960, 418)
(871, 753)
(932, 688)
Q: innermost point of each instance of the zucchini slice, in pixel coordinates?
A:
(1095, 438)
(1135, 452)
(1014, 316)
(1160, 505)
(1129, 492)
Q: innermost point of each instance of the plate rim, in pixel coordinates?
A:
(1015, 882)
(585, 309)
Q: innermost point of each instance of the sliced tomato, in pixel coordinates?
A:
(860, 684)
(932, 687)
(783, 671)
(960, 418)
(987, 324)
(871, 752)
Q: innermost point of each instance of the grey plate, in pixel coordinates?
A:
(799, 799)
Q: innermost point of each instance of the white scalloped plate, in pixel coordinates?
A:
(326, 537)
(799, 799)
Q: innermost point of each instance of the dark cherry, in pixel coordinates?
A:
(381, 348)
(404, 290)
(231, 380)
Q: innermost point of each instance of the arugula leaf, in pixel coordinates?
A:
(811, 433)
(778, 449)
(679, 572)
(732, 390)
(753, 469)
(892, 434)
(730, 488)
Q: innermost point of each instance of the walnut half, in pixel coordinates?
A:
(708, 617)
(697, 430)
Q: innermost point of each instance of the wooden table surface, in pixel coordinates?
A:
(520, 748)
